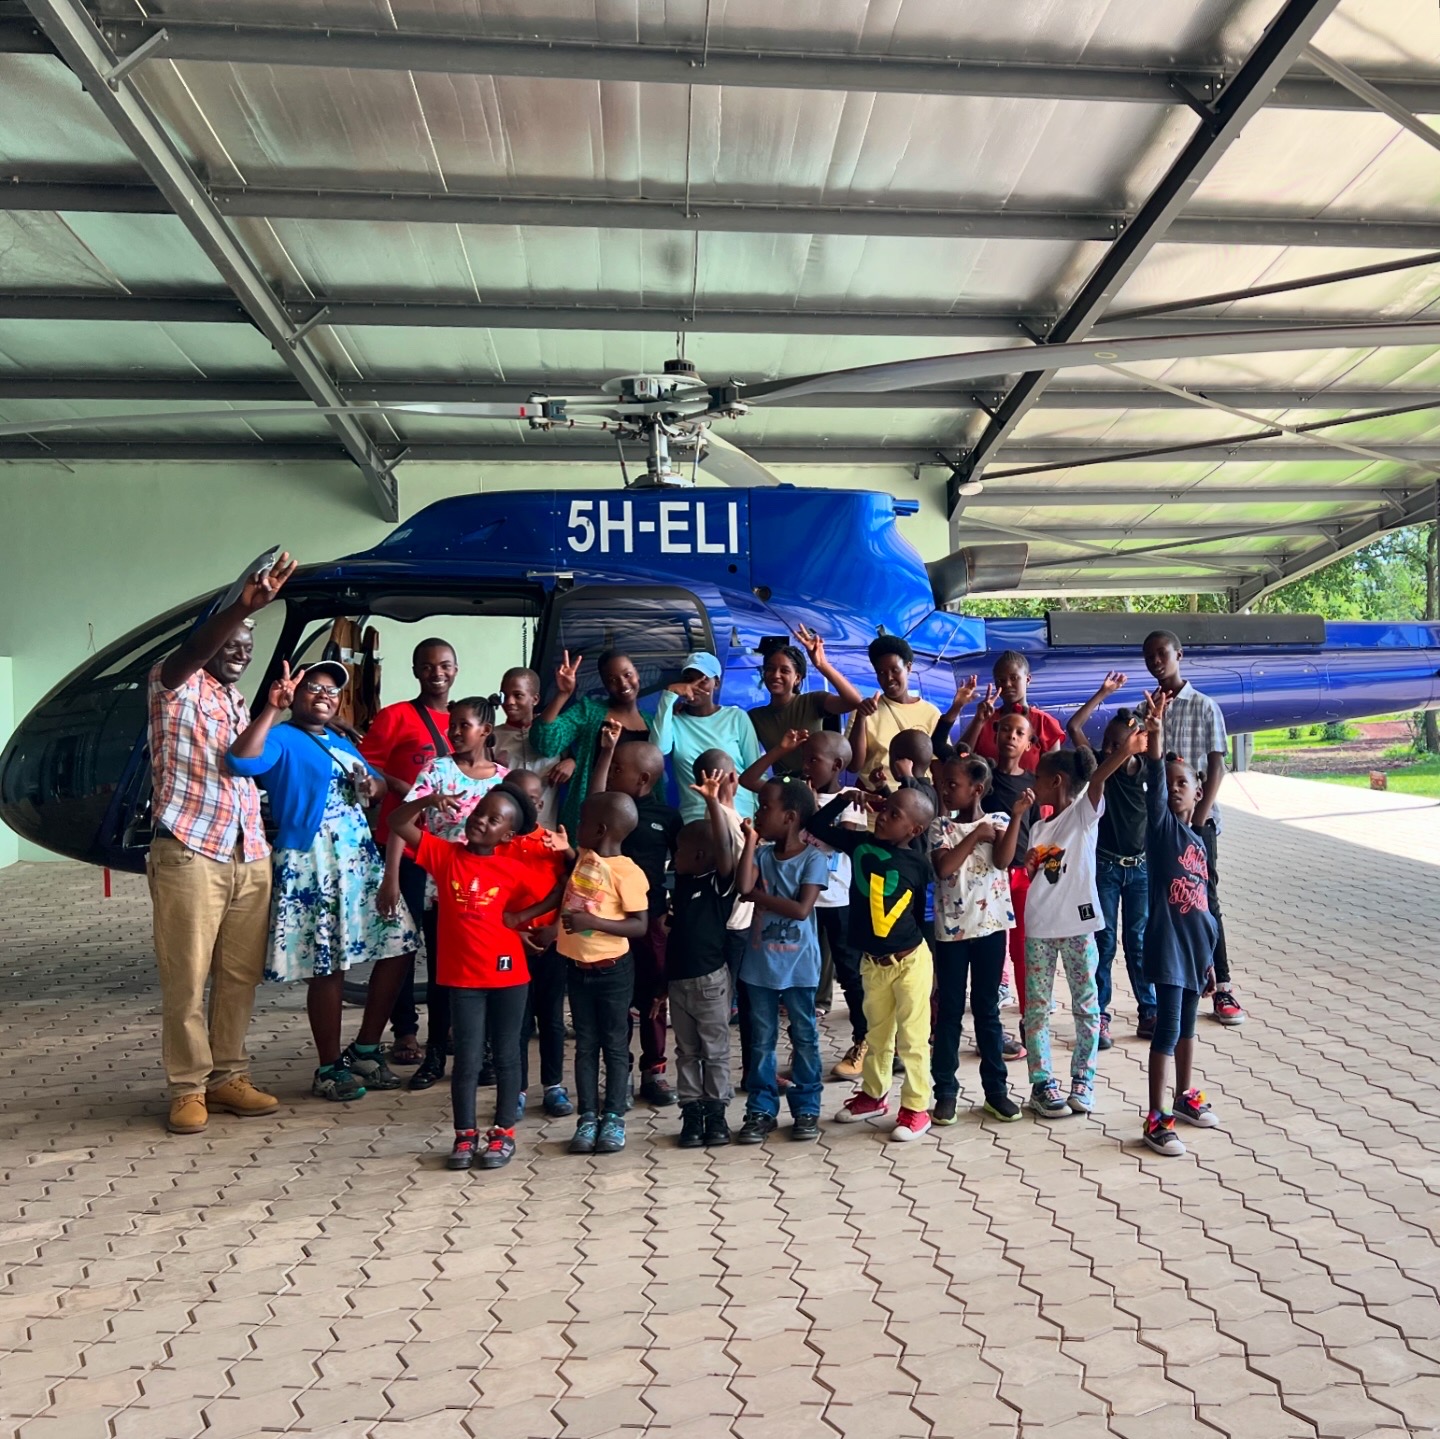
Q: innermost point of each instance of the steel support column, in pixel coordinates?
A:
(69, 28)
(1279, 48)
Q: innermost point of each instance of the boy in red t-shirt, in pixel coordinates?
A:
(484, 892)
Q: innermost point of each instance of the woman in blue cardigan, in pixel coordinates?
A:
(324, 918)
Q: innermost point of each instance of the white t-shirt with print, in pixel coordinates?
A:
(1063, 902)
(975, 900)
(836, 894)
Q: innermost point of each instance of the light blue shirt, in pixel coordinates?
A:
(685, 737)
(785, 953)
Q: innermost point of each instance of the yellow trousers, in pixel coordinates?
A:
(897, 1017)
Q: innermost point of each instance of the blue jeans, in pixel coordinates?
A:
(1127, 888)
(761, 1083)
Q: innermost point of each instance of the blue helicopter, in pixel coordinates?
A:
(658, 572)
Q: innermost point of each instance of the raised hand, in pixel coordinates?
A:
(747, 833)
(868, 706)
(260, 589)
(684, 690)
(814, 645)
(282, 692)
(711, 784)
(794, 738)
(1157, 703)
(904, 768)
(447, 806)
(557, 840)
(1113, 681)
(964, 693)
(610, 733)
(1023, 801)
(565, 673)
(985, 710)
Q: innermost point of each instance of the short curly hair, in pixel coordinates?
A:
(883, 645)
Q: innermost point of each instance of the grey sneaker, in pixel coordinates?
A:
(586, 1128)
(1048, 1100)
(334, 1081)
(370, 1068)
(1159, 1134)
(1194, 1108)
(1082, 1096)
(611, 1138)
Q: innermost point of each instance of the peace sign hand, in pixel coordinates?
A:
(814, 645)
(565, 673)
(260, 589)
(985, 710)
(282, 692)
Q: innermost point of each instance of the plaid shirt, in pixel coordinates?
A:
(196, 798)
(1195, 729)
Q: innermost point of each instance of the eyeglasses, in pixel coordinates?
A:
(314, 687)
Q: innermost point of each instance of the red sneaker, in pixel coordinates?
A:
(1227, 1009)
(860, 1106)
(910, 1124)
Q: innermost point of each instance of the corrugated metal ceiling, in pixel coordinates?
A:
(583, 135)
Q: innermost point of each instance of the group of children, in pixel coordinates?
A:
(948, 857)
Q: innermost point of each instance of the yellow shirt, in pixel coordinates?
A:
(608, 888)
(887, 721)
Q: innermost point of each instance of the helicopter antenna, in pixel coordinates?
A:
(624, 471)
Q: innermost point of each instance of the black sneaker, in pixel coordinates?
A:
(717, 1127)
(498, 1150)
(756, 1129)
(1105, 1042)
(943, 1111)
(1145, 1029)
(692, 1126)
(897, 1065)
(486, 1077)
(654, 1090)
(431, 1071)
(805, 1127)
(462, 1156)
(1002, 1107)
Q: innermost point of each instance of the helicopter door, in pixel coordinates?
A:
(657, 626)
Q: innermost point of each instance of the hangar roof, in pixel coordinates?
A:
(473, 199)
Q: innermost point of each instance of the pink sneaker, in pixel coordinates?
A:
(910, 1124)
(860, 1106)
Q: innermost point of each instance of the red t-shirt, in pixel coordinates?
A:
(532, 848)
(399, 742)
(1047, 733)
(473, 892)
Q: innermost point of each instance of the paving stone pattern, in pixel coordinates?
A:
(322, 1274)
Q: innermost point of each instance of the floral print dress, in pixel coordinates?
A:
(324, 917)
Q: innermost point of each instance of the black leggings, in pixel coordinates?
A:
(1175, 1011)
(546, 1005)
(475, 1015)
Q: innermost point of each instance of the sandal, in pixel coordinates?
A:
(406, 1050)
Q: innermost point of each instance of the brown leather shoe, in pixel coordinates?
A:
(853, 1064)
(188, 1114)
(239, 1096)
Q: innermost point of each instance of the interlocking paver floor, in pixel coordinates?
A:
(321, 1273)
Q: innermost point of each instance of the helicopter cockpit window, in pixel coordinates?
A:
(656, 627)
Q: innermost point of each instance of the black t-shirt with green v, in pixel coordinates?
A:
(887, 883)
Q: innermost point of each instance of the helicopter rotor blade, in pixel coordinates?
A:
(732, 466)
(982, 364)
(471, 409)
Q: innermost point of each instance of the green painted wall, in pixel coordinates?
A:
(89, 551)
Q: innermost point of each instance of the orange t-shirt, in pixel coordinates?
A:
(609, 887)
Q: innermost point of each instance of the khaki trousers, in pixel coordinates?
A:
(897, 1018)
(212, 920)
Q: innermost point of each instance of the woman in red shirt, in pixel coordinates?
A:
(485, 890)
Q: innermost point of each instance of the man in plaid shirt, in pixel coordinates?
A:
(1194, 728)
(209, 864)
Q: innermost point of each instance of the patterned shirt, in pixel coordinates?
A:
(197, 799)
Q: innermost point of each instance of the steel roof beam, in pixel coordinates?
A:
(1120, 586)
(263, 388)
(1163, 530)
(1230, 452)
(359, 49)
(1016, 497)
(424, 314)
(1418, 508)
(1160, 216)
(70, 29)
(730, 216)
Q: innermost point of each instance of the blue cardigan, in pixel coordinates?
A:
(295, 772)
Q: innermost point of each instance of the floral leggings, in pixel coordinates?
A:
(1079, 957)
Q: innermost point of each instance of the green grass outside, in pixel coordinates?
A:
(1422, 778)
